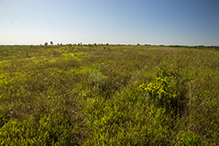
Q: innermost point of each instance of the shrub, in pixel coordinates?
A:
(161, 92)
(166, 91)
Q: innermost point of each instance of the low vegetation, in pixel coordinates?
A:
(109, 95)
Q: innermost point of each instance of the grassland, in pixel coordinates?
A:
(109, 95)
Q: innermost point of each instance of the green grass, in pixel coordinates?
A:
(109, 95)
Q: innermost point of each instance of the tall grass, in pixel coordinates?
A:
(109, 95)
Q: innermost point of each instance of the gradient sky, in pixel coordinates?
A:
(160, 22)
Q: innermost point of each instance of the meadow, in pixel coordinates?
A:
(109, 95)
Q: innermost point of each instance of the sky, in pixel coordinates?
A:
(155, 22)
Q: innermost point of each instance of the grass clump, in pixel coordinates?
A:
(113, 122)
(54, 129)
(97, 79)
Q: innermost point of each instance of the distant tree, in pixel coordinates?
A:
(46, 44)
(51, 43)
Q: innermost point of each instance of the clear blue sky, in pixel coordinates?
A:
(168, 22)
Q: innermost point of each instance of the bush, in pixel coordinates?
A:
(161, 92)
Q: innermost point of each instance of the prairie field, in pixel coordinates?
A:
(109, 95)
